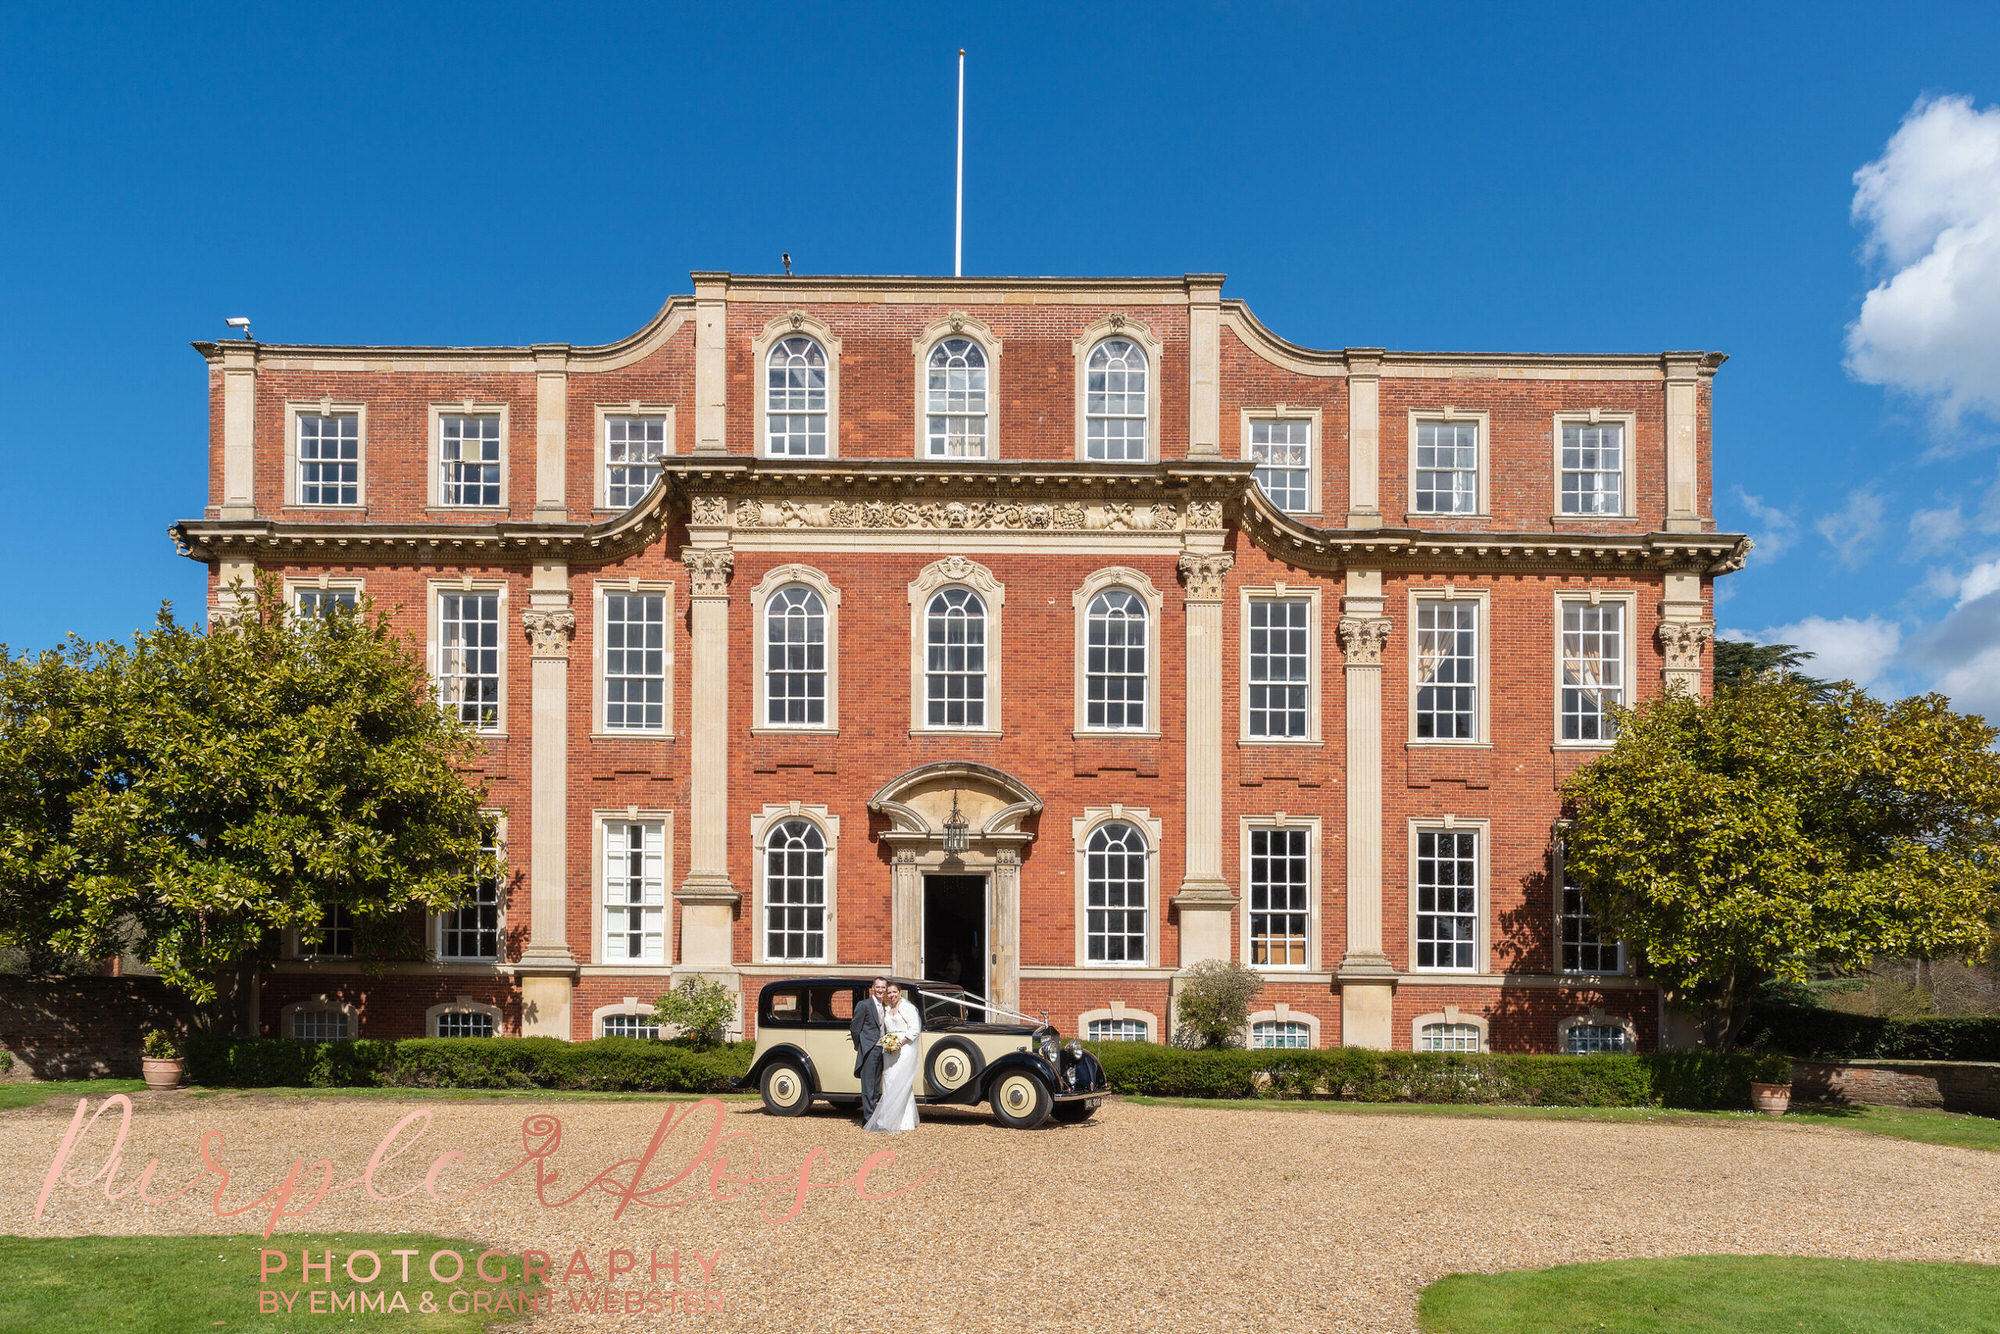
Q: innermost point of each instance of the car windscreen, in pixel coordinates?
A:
(943, 1009)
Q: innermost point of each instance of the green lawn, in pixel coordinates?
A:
(469, 1095)
(33, 1095)
(1923, 1126)
(166, 1285)
(1719, 1294)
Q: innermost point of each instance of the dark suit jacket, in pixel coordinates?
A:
(866, 1030)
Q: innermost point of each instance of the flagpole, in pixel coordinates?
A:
(958, 226)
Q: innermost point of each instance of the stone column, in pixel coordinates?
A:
(1204, 364)
(239, 416)
(547, 969)
(551, 432)
(1364, 437)
(1006, 968)
(707, 898)
(1367, 980)
(711, 362)
(1204, 903)
(230, 607)
(906, 913)
(1684, 629)
(1683, 372)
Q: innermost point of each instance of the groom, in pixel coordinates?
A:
(866, 1030)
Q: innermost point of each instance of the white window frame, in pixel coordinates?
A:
(294, 465)
(790, 325)
(295, 939)
(1482, 599)
(1280, 820)
(322, 1002)
(1118, 326)
(1285, 412)
(1150, 830)
(1482, 463)
(324, 583)
(498, 820)
(1596, 1018)
(628, 1006)
(1482, 945)
(600, 887)
(1136, 583)
(599, 646)
(1281, 1013)
(1450, 1014)
(957, 325)
(1118, 1012)
(1626, 475)
(762, 825)
(468, 408)
(601, 495)
(464, 1005)
(1558, 864)
(775, 581)
(954, 572)
(437, 589)
(1629, 599)
(1315, 661)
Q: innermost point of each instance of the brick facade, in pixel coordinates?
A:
(1035, 521)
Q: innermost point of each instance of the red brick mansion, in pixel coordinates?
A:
(1044, 635)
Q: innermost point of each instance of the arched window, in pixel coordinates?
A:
(955, 400)
(1116, 402)
(795, 893)
(1116, 1030)
(795, 402)
(1116, 889)
(1115, 668)
(1280, 1033)
(955, 659)
(795, 658)
(1448, 1037)
(1584, 1039)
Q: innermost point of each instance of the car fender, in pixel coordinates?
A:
(787, 1051)
(1012, 1061)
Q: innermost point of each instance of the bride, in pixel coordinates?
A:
(898, 1108)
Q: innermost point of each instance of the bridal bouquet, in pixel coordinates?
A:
(892, 1041)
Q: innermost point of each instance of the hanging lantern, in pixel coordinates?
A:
(957, 834)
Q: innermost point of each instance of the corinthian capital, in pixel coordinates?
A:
(549, 630)
(1681, 642)
(708, 569)
(1362, 639)
(1203, 572)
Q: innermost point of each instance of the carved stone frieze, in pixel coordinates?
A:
(549, 630)
(1681, 643)
(709, 512)
(1205, 516)
(708, 569)
(1362, 639)
(963, 515)
(1204, 572)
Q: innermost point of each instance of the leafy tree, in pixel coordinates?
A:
(699, 1008)
(1737, 840)
(189, 796)
(1214, 1003)
(1738, 662)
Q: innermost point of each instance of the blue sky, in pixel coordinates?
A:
(1566, 178)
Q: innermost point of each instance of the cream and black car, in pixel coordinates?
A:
(1026, 1072)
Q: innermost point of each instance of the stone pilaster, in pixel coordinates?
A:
(1683, 372)
(711, 362)
(707, 898)
(1367, 980)
(1364, 437)
(551, 431)
(546, 968)
(231, 605)
(239, 417)
(1684, 629)
(1006, 928)
(1205, 903)
(1204, 364)
(906, 912)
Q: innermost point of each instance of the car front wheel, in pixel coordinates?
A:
(1020, 1100)
(785, 1090)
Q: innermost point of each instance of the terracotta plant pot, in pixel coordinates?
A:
(162, 1074)
(1771, 1099)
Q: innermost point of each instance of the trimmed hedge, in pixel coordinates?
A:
(1812, 1034)
(620, 1065)
(1692, 1079)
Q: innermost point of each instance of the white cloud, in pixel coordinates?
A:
(1774, 529)
(1961, 654)
(1930, 208)
(1844, 650)
(1980, 580)
(1853, 531)
(1932, 531)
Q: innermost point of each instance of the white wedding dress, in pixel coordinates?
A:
(898, 1108)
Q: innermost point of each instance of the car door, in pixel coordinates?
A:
(827, 1039)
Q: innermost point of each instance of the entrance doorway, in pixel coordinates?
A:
(955, 931)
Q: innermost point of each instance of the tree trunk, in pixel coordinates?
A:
(246, 997)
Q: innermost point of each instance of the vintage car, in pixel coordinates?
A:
(963, 1057)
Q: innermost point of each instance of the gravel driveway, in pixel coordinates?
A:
(1146, 1218)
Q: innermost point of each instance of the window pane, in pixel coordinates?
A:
(329, 458)
(473, 932)
(795, 400)
(632, 450)
(1280, 668)
(795, 665)
(955, 400)
(1115, 664)
(1280, 910)
(469, 657)
(1281, 451)
(1593, 468)
(1116, 888)
(1116, 402)
(955, 659)
(1447, 890)
(1447, 650)
(469, 453)
(635, 662)
(1584, 947)
(795, 893)
(634, 891)
(1592, 674)
(1447, 468)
